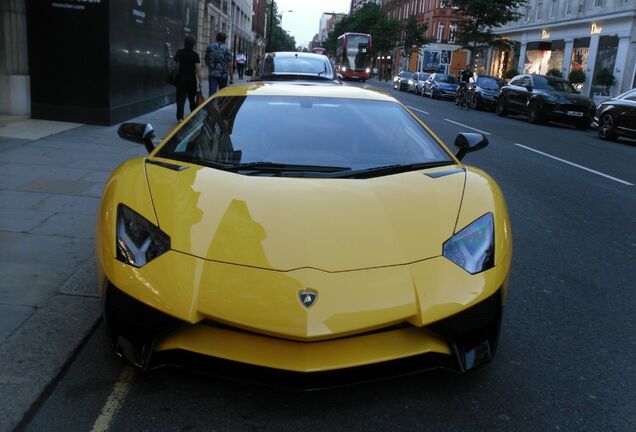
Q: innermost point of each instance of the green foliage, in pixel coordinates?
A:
(512, 73)
(481, 17)
(278, 39)
(414, 34)
(576, 77)
(368, 19)
(555, 72)
(605, 77)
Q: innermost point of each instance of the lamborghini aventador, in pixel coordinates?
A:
(298, 229)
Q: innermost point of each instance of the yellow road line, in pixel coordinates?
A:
(115, 400)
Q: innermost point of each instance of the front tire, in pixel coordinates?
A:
(534, 115)
(501, 107)
(475, 103)
(606, 128)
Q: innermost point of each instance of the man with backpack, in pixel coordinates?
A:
(218, 58)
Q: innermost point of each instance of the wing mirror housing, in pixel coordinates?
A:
(140, 133)
(469, 142)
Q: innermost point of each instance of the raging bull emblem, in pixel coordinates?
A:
(307, 297)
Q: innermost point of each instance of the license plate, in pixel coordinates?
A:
(575, 113)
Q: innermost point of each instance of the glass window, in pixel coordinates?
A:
(446, 78)
(553, 9)
(545, 83)
(440, 31)
(539, 9)
(605, 59)
(630, 96)
(489, 83)
(316, 131)
(568, 7)
(452, 32)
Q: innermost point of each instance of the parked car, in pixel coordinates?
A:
(420, 84)
(417, 81)
(441, 86)
(486, 90)
(545, 98)
(617, 117)
(401, 80)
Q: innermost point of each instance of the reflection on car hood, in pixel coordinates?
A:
(284, 223)
(570, 98)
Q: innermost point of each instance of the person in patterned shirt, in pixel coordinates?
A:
(218, 58)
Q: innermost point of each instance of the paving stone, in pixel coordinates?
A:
(12, 317)
(16, 174)
(9, 143)
(68, 225)
(83, 281)
(21, 220)
(77, 145)
(29, 284)
(94, 165)
(97, 190)
(69, 204)
(29, 248)
(20, 200)
(98, 176)
(34, 156)
(58, 186)
(37, 352)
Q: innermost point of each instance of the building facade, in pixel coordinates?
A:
(568, 35)
(442, 54)
(259, 14)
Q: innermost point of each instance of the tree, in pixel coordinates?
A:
(277, 38)
(480, 17)
(414, 34)
(368, 19)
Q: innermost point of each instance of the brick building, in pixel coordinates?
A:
(442, 54)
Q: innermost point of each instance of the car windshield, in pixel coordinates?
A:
(296, 65)
(406, 75)
(489, 83)
(446, 79)
(424, 76)
(543, 83)
(350, 134)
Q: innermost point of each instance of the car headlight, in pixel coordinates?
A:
(473, 248)
(367, 70)
(344, 68)
(138, 240)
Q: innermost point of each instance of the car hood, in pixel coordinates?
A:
(283, 223)
(446, 85)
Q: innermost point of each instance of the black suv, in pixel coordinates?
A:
(544, 98)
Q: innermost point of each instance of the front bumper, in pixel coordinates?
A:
(564, 112)
(151, 339)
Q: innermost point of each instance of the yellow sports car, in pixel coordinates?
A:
(304, 230)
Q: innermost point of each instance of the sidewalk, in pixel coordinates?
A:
(51, 178)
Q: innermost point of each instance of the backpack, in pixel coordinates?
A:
(172, 70)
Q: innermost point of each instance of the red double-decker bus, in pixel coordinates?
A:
(353, 56)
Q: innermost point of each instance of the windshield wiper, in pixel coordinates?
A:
(390, 169)
(276, 166)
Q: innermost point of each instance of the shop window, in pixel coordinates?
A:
(605, 59)
(580, 54)
(538, 55)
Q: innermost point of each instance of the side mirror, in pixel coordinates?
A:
(139, 133)
(469, 142)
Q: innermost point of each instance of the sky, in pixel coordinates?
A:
(303, 22)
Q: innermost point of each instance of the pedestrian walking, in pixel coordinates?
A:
(375, 72)
(218, 58)
(241, 60)
(188, 77)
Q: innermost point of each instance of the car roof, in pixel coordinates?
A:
(304, 89)
(288, 54)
